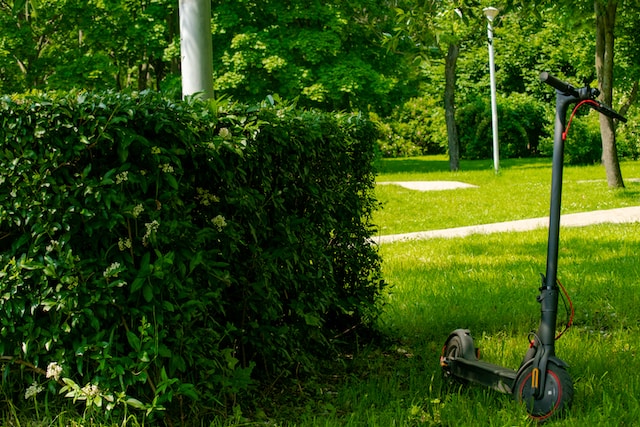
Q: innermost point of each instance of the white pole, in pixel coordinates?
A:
(196, 48)
(491, 13)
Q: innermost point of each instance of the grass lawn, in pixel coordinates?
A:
(488, 283)
(521, 190)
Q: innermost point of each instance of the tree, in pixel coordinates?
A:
(322, 53)
(605, 12)
(96, 44)
(428, 30)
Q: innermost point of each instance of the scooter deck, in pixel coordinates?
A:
(497, 377)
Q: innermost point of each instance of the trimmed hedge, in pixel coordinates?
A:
(162, 248)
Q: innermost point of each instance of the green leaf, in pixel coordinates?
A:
(171, 180)
(134, 403)
(134, 341)
(147, 292)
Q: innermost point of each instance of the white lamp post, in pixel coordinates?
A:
(491, 13)
(196, 48)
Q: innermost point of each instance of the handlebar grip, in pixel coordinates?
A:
(563, 87)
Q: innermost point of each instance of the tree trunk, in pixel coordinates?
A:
(450, 106)
(605, 23)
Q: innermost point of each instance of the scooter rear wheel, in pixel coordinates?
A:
(556, 395)
(453, 348)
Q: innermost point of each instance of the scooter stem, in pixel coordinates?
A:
(549, 291)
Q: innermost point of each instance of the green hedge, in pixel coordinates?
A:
(162, 248)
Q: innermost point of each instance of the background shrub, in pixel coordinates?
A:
(415, 128)
(628, 136)
(161, 249)
(521, 125)
(583, 144)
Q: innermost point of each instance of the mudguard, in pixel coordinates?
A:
(468, 347)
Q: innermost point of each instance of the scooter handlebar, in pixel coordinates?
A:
(563, 87)
(568, 89)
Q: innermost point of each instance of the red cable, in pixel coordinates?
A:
(573, 113)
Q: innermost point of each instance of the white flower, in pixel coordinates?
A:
(54, 245)
(32, 390)
(151, 227)
(54, 370)
(137, 210)
(122, 177)
(219, 222)
(124, 244)
(166, 168)
(205, 197)
(90, 390)
(112, 270)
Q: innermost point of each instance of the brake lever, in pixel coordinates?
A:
(601, 108)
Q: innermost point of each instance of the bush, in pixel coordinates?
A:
(415, 128)
(157, 249)
(583, 144)
(521, 124)
(628, 136)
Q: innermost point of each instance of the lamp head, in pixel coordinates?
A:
(490, 13)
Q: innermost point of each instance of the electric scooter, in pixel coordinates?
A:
(542, 382)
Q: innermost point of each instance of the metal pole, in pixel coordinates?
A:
(196, 48)
(491, 13)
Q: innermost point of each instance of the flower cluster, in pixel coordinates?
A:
(124, 244)
(137, 210)
(33, 390)
(151, 227)
(166, 168)
(54, 371)
(90, 390)
(219, 222)
(112, 270)
(122, 177)
(52, 246)
(206, 198)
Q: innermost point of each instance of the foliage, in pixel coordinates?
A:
(64, 44)
(521, 122)
(628, 136)
(324, 54)
(415, 128)
(179, 252)
(583, 144)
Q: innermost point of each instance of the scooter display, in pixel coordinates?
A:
(542, 382)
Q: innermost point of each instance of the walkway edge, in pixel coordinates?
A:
(616, 216)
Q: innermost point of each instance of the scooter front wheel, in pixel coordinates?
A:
(555, 397)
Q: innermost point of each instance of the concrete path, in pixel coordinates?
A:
(620, 215)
